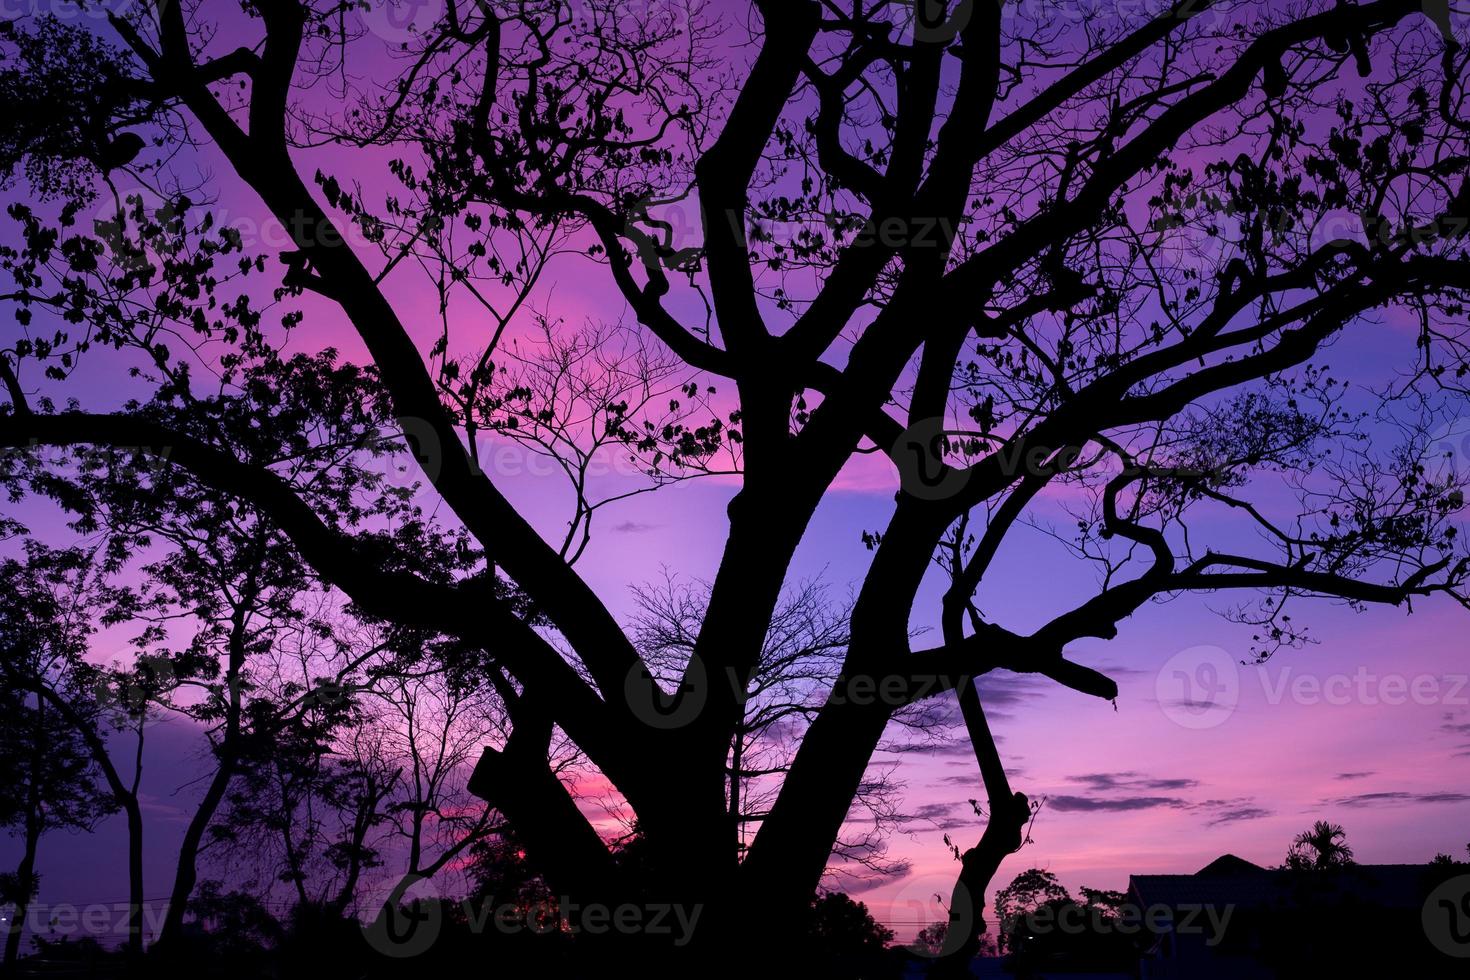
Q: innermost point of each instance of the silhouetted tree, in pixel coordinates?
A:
(929, 941)
(51, 782)
(1027, 892)
(1013, 254)
(1043, 927)
(801, 658)
(843, 937)
(1321, 848)
(359, 762)
(53, 602)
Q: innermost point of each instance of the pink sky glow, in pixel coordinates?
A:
(1369, 727)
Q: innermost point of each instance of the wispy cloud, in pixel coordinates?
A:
(1095, 804)
(1397, 798)
(1106, 781)
(1130, 792)
(1231, 811)
(634, 527)
(940, 816)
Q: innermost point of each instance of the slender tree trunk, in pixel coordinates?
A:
(1009, 811)
(788, 869)
(737, 754)
(34, 821)
(186, 875)
(793, 846)
(367, 810)
(293, 867)
(134, 813)
(126, 797)
(23, 899)
(1004, 832)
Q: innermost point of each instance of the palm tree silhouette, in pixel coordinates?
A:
(1324, 846)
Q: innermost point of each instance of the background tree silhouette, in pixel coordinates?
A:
(1015, 256)
(52, 782)
(1321, 848)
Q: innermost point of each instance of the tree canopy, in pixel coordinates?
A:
(1099, 259)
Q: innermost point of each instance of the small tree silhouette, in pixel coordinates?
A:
(1322, 847)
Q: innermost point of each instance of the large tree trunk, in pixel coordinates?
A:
(563, 845)
(812, 804)
(790, 852)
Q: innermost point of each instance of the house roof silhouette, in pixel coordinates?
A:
(1234, 881)
(1228, 864)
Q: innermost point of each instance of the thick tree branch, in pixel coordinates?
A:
(510, 540)
(470, 608)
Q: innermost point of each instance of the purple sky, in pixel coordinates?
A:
(1370, 727)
